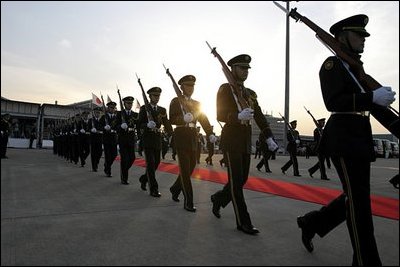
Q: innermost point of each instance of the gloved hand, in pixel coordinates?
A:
(107, 127)
(383, 96)
(246, 114)
(82, 131)
(272, 146)
(124, 126)
(297, 141)
(151, 124)
(93, 130)
(188, 117)
(212, 138)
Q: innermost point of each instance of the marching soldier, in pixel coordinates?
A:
(236, 141)
(152, 138)
(293, 137)
(347, 139)
(321, 157)
(96, 138)
(266, 154)
(83, 137)
(200, 144)
(185, 139)
(109, 124)
(210, 150)
(126, 126)
(5, 132)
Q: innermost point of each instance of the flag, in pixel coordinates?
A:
(137, 106)
(96, 100)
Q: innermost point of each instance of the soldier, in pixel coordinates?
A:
(210, 150)
(83, 137)
(152, 138)
(126, 122)
(293, 137)
(236, 142)
(347, 139)
(5, 133)
(266, 154)
(185, 138)
(109, 124)
(96, 138)
(321, 157)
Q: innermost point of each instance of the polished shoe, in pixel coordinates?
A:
(283, 171)
(306, 234)
(174, 196)
(94, 170)
(215, 208)
(310, 174)
(191, 209)
(248, 229)
(325, 178)
(125, 182)
(142, 183)
(268, 171)
(108, 175)
(258, 169)
(298, 175)
(155, 194)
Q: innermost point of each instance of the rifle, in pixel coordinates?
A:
(387, 116)
(291, 130)
(122, 107)
(104, 110)
(315, 121)
(231, 80)
(146, 101)
(181, 98)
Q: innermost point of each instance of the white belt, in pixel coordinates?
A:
(131, 129)
(360, 113)
(157, 130)
(190, 125)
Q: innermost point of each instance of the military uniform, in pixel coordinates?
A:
(5, 133)
(127, 138)
(109, 138)
(83, 138)
(321, 157)
(347, 139)
(152, 140)
(185, 142)
(266, 154)
(96, 139)
(236, 144)
(293, 138)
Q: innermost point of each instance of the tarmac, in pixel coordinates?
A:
(56, 213)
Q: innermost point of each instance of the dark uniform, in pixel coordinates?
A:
(236, 144)
(152, 140)
(83, 138)
(294, 141)
(127, 137)
(200, 144)
(266, 154)
(347, 139)
(108, 122)
(210, 150)
(5, 133)
(321, 157)
(96, 138)
(185, 141)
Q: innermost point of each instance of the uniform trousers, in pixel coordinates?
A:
(127, 153)
(152, 157)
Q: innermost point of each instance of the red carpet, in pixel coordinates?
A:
(381, 206)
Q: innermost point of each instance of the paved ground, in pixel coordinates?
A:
(57, 213)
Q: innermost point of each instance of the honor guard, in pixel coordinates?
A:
(236, 141)
(185, 116)
(126, 126)
(293, 137)
(96, 138)
(5, 133)
(83, 137)
(347, 139)
(108, 123)
(151, 138)
(321, 157)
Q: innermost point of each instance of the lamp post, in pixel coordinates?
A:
(286, 80)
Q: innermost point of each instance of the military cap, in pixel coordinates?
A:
(128, 99)
(293, 122)
(188, 79)
(154, 91)
(355, 23)
(97, 108)
(240, 60)
(321, 120)
(111, 103)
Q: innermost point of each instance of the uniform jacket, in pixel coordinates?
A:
(109, 137)
(236, 137)
(127, 136)
(345, 135)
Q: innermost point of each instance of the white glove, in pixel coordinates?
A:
(272, 146)
(2, 132)
(74, 130)
(82, 131)
(246, 114)
(124, 126)
(151, 124)
(212, 138)
(383, 96)
(93, 130)
(107, 127)
(297, 141)
(188, 117)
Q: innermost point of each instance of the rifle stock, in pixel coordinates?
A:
(384, 115)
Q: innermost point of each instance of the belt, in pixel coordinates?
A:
(360, 113)
(130, 129)
(156, 130)
(243, 122)
(190, 125)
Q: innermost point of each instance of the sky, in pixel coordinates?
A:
(65, 51)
